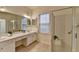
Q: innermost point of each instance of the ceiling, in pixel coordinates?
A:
(28, 10)
(47, 7)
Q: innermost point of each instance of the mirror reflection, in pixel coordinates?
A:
(28, 22)
(10, 23)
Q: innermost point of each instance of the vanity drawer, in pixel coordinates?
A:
(20, 38)
(2, 44)
(7, 46)
(34, 37)
(30, 38)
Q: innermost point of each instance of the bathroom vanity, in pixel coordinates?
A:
(8, 43)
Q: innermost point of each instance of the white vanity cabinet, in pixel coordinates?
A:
(34, 37)
(10, 43)
(30, 39)
(7, 46)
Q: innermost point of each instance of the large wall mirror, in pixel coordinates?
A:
(13, 23)
(9, 22)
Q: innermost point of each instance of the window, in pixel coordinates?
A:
(24, 23)
(44, 23)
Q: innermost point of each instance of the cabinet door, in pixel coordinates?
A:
(29, 39)
(11, 46)
(7, 46)
(34, 37)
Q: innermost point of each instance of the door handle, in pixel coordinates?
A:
(56, 37)
(70, 32)
(76, 35)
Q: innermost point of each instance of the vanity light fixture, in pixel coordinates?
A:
(2, 9)
(26, 16)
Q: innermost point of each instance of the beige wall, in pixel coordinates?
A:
(45, 38)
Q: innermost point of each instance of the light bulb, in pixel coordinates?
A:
(2, 9)
(26, 16)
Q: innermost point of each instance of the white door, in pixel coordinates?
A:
(77, 28)
(63, 30)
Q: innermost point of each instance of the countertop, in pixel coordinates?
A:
(15, 35)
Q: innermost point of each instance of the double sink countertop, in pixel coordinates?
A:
(15, 35)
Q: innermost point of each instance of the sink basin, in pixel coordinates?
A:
(3, 37)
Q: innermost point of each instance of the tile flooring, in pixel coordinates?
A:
(34, 47)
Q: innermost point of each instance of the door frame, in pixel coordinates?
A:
(73, 42)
